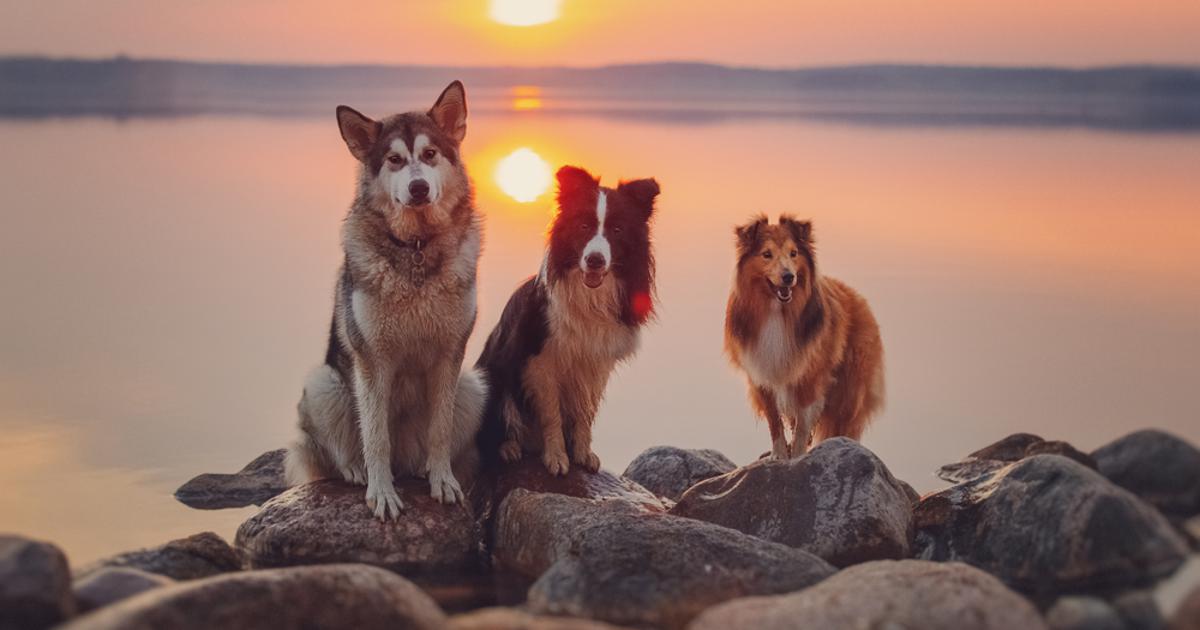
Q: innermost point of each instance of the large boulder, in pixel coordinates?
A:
(328, 522)
(530, 474)
(838, 501)
(35, 584)
(1158, 467)
(112, 584)
(198, 556)
(1049, 525)
(514, 619)
(331, 596)
(613, 562)
(1187, 615)
(254, 484)
(1083, 613)
(885, 594)
(1013, 448)
(668, 471)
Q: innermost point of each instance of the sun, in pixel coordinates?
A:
(524, 12)
(523, 175)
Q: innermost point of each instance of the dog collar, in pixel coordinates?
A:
(416, 273)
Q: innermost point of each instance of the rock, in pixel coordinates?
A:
(35, 584)
(614, 562)
(529, 474)
(328, 521)
(885, 594)
(1156, 466)
(513, 619)
(1187, 616)
(838, 502)
(198, 556)
(1013, 448)
(113, 584)
(328, 596)
(1139, 611)
(1083, 613)
(667, 471)
(1047, 525)
(260, 480)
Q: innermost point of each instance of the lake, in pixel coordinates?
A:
(168, 283)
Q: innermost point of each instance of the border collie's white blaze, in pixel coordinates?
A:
(565, 330)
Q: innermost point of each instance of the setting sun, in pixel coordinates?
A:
(523, 175)
(524, 12)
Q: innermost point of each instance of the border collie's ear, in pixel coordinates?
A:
(359, 132)
(450, 111)
(572, 180)
(748, 235)
(643, 192)
(801, 230)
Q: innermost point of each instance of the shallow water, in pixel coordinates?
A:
(167, 283)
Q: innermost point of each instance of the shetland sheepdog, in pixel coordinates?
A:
(564, 330)
(808, 343)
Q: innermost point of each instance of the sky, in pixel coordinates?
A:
(774, 33)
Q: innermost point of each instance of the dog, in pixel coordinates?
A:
(564, 331)
(808, 343)
(390, 398)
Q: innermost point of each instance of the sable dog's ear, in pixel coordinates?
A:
(359, 132)
(748, 235)
(572, 181)
(643, 192)
(450, 111)
(801, 231)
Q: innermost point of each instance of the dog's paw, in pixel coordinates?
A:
(444, 487)
(355, 474)
(510, 451)
(383, 500)
(556, 462)
(589, 460)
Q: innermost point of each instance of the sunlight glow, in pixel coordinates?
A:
(523, 175)
(524, 12)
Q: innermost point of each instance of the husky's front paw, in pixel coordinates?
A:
(355, 474)
(510, 451)
(383, 500)
(444, 487)
(556, 462)
(589, 460)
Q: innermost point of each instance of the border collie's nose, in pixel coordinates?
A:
(418, 189)
(594, 261)
(789, 278)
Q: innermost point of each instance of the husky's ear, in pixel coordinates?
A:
(643, 192)
(801, 231)
(572, 181)
(359, 132)
(748, 235)
(450, 111)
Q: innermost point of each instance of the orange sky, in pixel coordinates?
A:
(592, 32)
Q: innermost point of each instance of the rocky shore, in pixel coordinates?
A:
(1028, 533)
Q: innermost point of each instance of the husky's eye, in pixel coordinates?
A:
(395, 159)
(428, 154)
(767, 254)
(795, 253)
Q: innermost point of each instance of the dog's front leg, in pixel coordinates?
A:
(584, 416)
(372, 389)
(442, 385)
(542, 386)
(767, 406)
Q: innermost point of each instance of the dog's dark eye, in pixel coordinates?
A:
(585, 227)
(795, 253)
(395, 159)
(767, 254)
(617, 229)
(428, 154)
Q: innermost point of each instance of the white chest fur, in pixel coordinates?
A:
(585, 325)
(769, 361)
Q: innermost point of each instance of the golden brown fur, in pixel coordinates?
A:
(809, 344)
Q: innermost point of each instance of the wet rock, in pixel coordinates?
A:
(609, 560)
(1139, 611)
(1083, 613)
(328, 521)
(838, 502)
(1156, 466)
(328, 596)
(885, 594)
(260, 480)
(1048, 525)
(35, 584)
(1187, 616)
(198, 556)
(668, 471)
(1013, 448)
(113, 584)
(513, 619)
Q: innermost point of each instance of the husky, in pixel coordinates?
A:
(808, 343)
(564, 330)
(390, 398)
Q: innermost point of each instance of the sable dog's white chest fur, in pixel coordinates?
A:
(769, 361)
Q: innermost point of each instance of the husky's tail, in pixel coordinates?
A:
(493, 428)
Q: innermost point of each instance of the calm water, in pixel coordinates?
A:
(167, 283)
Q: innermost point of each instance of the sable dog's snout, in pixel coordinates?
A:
(595, 261)
(789, 278)
(418, 190)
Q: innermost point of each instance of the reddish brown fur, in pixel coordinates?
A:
(821, 346)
